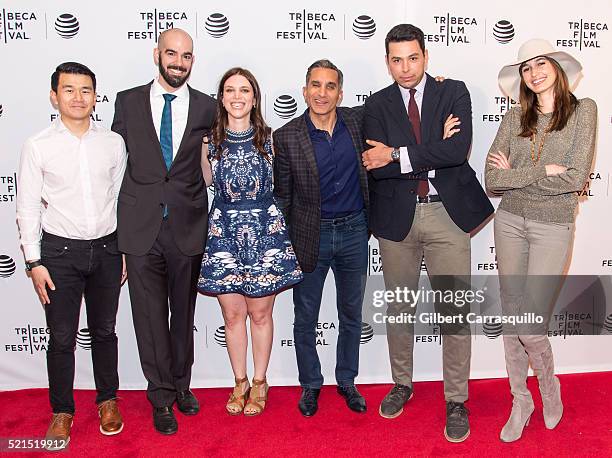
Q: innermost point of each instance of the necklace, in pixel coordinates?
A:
(535, 159)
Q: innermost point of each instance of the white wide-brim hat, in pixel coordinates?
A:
(509, 77)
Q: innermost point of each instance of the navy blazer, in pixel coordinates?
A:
(393, 194)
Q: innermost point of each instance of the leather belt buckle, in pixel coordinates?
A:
(428, 199)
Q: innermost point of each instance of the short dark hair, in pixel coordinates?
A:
(324, 63)
(405, 32)
(73, 68)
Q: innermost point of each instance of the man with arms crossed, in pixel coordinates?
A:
(425, 200)
(321, 187)
(162, 217)
(68, 181)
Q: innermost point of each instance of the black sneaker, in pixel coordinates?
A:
(393, 404)
(457, 423)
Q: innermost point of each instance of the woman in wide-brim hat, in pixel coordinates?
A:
(540, 159)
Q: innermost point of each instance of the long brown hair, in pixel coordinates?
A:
(565, 103)
(260, 128)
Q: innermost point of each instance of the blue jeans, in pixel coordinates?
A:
(343, 246)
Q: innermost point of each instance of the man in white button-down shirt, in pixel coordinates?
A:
(68, 181)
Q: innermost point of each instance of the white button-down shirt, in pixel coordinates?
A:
(180, 111)
(405, 165)
(68, 186)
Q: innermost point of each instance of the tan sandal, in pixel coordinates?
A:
(257, 404)
(236, 402)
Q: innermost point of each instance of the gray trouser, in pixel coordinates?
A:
(532, 258)
(446, 249)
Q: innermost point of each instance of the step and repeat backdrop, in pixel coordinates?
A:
(277, 41)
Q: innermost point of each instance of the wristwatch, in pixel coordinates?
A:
(31, 264)
(395, 154)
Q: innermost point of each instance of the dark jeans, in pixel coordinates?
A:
(343, 246)
(90, 269)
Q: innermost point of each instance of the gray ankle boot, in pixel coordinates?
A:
(517, 365)
(543, 365)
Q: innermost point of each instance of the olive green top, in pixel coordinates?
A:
(525, 188)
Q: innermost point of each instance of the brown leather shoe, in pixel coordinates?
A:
(110, 419)
(58, 434)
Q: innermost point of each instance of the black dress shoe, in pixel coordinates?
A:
(309, 401)
(457, 423)
(354, 399)
(187, 402)
(164, 420)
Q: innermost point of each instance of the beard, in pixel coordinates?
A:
(173, 81)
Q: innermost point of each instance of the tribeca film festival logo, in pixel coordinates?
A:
(375, 262)
(8, 188)
(16, 25)
(323, 329)
(503, 31)
(7, 266)
(307, 26)
(491, 265)
(503, 105)
(95, 116)
(30, 339)
(583, 34)
(570, 324)
(452, 30)
(217, 25)
(154, 22)
(67, 25)
(587, 191)
(285, 106)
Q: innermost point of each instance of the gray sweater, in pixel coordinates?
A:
(526, 189)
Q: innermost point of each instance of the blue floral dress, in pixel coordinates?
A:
(248, 250)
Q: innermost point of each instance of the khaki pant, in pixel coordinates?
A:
(446, 249)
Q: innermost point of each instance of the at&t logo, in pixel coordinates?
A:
(503, 31)
(83, 339)
(285, 106)
(216, 25)
(367, 333)
(67, 25)
(7, 266)
(364, 27)
(220, 336)
(492, 330)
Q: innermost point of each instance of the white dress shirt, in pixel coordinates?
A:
(405, 165)
(180, 111)
(68, 186)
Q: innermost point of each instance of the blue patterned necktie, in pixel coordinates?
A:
(165, 130)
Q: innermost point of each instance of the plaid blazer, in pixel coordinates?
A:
(296, 181)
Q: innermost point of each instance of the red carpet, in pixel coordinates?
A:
(586, 428)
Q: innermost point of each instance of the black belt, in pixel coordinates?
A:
(428, 199)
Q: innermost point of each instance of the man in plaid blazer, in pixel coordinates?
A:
(321, 187)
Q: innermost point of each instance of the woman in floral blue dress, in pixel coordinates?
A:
(248, 257)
